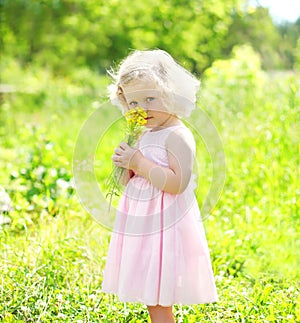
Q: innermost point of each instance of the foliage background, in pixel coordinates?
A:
(63, 35)
(54, 55)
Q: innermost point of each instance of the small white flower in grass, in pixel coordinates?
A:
(25, 309)
(96, 104)
(61, 316)
(39, 172)
(5, 201)
(53, 172)
(92, 297)
(59, 297)
(5, 206)
(62, 184)
(49, 146)
(72, 182)
(40, 303)
(14, 174)
(4, 220)
(63, 171)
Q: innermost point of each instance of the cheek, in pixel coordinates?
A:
(157, 105)
(161, 116)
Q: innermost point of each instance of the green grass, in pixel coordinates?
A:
(53, 253)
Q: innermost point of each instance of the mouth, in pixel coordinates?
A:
(148, 118)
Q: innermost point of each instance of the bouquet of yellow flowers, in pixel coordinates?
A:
(135, 120)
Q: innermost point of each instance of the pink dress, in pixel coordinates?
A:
(158, 253)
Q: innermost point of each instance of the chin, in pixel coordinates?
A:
(148, 124)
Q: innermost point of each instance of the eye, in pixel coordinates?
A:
(133, 104)
(149, 99)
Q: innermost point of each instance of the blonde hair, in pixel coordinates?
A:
(179, 87)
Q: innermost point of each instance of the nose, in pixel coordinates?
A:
(144, 106)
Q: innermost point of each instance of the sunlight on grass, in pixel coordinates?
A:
(53, 252)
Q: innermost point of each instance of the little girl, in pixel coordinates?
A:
(158, 254)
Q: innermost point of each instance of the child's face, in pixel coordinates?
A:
(146, 94)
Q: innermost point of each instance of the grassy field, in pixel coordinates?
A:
(53, 252)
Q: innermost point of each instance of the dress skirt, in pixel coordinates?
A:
(158, 253)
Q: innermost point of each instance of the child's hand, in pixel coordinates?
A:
(126, 156)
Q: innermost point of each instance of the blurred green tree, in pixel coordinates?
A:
(256, 28)
(297, 55)
(290, 34)
(276, 43)
(66, 34)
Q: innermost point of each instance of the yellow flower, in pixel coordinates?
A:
(135, 119)
(136, 116)
(141, 121)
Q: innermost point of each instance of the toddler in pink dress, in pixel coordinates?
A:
(158, 254)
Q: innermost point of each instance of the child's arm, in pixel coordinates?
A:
(173, 179)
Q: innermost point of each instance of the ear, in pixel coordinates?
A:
(120, 90)
(121, 97)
